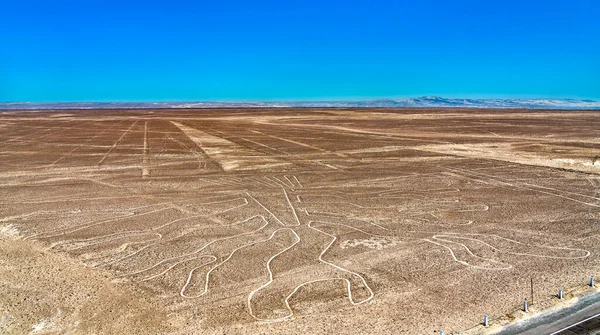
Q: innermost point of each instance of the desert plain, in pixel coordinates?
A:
(285, 221)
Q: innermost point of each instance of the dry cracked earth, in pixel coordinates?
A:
(287, 221)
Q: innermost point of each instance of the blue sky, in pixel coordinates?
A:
(297, 50)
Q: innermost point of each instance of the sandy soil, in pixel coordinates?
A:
(291, 220)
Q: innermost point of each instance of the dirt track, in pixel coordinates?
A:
(291, 221)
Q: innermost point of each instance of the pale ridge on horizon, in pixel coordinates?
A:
(420, 102)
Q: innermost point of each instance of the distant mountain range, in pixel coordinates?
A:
(422, 102)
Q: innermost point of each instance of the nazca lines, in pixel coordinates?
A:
(462, 254)
(289, 221)
(475, 250)
(135, 237)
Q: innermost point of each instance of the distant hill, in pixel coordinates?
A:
(421, 102)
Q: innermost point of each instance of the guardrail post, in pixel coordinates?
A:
(485, 320)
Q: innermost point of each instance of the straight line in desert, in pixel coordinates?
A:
(535, 188)
(254, 142)
(21, 139)
(116, 143)
(200, 158)
(299, 143)
(80, 145)
(346, 130)
(292, 207)
(145, 162)
(227, 154)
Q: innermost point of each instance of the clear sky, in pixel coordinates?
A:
(86, 50)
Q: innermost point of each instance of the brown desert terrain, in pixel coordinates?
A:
(287, 221)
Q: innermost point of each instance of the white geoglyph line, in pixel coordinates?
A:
(18, 138)
(24, 216)
(220, 183)
(272, 183)
(298, 181)
(227, 182)
(199, 158)
(504, 267)
(102, 239)
(224, 182)
(346, 202)
(227, 200)
(271, 277)
(266, 209)
(127, 233)
(292, 207)
(453, 235)
(566, 192)
(287, 299)
(155, 243)
(79, 146)
(328, 165)
(236, 182)
(207, 279)
(39, 235)
(206, 245)
(468, 222)
(340, 215)
(299, 143)
(123, 247)
(256, 179)
(437, 191)
(146, 152)
(181, 262)
(290, 181)
(478, 208)
(82, 226)
(227, 154)
(282, 182)
(277, 181)
(116, 143)
(533, 188)
(127, 256)
(251, 141)
(334, 238)
(69, 230)
(48, 130)
(346, 130)
(239, 181)
(354, 228)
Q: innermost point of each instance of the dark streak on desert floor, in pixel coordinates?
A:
(287, 221)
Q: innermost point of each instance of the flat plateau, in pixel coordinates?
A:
(279, 221)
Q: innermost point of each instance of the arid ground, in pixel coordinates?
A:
(286, 221)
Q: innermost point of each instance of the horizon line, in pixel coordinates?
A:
(324, 100)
